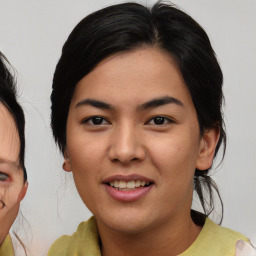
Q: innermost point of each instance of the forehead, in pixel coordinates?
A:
(140, 74)
(9, 138)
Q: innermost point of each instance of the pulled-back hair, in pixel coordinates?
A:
(125, 27)
(8, 97)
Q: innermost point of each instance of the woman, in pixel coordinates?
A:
(137, 113)
(13, 177)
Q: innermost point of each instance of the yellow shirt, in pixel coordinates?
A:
(213, 240)
(6, 249)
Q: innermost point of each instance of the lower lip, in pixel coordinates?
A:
(127, 195)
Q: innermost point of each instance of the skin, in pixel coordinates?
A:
(12, 185)
(128, 141)
(244, 249)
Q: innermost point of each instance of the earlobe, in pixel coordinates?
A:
(23, 192)
(208, 145)
(66, 164)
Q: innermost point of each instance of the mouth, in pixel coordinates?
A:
(128, 188)
(128, 185)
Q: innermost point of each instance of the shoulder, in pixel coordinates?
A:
(84, 241)
(215, 240)
(221, 233)
(7, 248)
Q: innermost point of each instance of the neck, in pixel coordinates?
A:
(169, 239)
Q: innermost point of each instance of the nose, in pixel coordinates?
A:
(2, 194)
(126, 145)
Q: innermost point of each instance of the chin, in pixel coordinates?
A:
(128, 223)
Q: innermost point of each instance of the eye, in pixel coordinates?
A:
(160, 120)
(3, 176)
(96, 120)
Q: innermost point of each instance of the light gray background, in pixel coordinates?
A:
(32, 34)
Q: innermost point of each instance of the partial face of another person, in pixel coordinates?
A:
(133, 141)
(12, 186)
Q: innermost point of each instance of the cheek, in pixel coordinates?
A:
(174, 151)
(85, 152)
(86, 156)
(175, 157)
(86, 159)
(9, 193)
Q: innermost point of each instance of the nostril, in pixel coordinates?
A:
(125, 146)
(125, 161)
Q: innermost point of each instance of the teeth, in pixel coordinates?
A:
(122, 184)
(116, 183)
(137, 183)
(130, 184)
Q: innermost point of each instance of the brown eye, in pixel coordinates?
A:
(160, 120)
(96, 120)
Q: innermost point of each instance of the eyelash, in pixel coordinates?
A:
(166, 120)
(99, 120)
(93, 119)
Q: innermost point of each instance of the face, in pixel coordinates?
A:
(12, 186)
(133, 141)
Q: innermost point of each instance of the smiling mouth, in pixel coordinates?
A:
(128, 188)
(128, 185)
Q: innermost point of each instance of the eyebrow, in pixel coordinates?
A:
(7, 161)
(147, 105)
(154, 103)
(94, 103)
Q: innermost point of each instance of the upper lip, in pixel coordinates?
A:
(127, 178)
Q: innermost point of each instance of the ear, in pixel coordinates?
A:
(208, 143)
(66, 166)
(23, 192)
